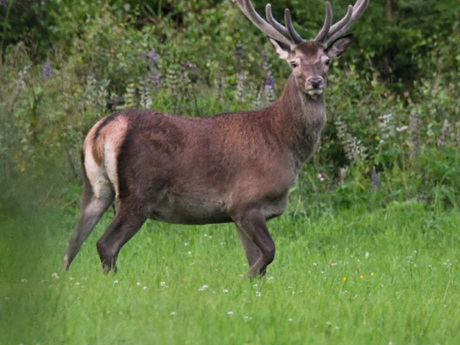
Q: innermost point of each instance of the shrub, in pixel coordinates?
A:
(385, 139)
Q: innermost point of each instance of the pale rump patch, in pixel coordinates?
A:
(101, 149)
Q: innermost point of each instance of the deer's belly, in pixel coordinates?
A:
(197, 210)
(190, 210)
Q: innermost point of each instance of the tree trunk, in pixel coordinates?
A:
(390, 10)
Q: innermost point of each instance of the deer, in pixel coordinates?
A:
(234, 167)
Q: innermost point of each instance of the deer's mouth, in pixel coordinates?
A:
(314, 92)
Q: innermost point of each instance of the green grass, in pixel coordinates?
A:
(388, 276)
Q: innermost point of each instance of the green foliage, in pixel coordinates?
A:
(28, 22)
(392, 100)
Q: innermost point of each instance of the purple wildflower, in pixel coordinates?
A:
(239, 51)
(320, 177)
(270, 81)
(375, 179)
(153, 56)
(4, 3)
(152, 59)
(47, 70)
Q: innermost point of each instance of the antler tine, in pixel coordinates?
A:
(346, 22)
(290, 31)
(341, 23)
(274, 22)
(271, 31)
(296, 38)
(321, 37)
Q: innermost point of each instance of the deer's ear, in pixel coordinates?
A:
(283, 50)
(339, 46)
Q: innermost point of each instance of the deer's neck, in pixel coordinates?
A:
(300, 118)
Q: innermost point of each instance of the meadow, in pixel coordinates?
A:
(385, 276)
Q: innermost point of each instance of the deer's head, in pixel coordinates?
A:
(309, 60)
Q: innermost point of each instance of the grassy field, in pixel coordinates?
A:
(388, 276)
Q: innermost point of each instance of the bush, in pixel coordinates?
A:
(387, 138)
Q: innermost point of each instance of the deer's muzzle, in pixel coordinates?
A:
(315, 86)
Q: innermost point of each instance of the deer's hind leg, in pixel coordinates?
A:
(93, 205)
(129, 219)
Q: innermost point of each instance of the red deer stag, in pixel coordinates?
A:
(236, 167)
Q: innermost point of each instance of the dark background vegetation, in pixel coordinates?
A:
(393, 112)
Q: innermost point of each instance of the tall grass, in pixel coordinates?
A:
(388, 276)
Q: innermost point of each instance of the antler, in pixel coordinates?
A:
(288, 35)
(329, 33)
(272, 28)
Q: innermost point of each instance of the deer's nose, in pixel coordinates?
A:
(316, 82)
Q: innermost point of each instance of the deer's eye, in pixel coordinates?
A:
(294, 64)
(327, 62)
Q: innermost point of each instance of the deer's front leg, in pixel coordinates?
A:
(257, 242)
